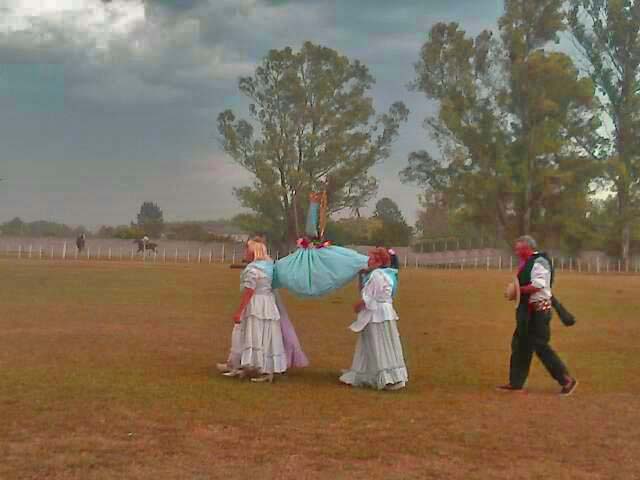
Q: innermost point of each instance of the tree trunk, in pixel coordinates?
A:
(626, 241)
(623, 215)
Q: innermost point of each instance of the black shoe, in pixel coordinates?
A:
(510, 388)
(569, 387)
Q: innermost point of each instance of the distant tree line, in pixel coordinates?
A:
(40, 228)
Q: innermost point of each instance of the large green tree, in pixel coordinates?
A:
(608, 33)
(317, 129)
(514, 125)
(394, 229)
(150, 219)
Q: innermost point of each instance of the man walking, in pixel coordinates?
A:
(533, 314)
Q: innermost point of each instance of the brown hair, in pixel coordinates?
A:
(381, 255)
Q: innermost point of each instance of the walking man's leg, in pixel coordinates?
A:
(521, 351)
(540, 332)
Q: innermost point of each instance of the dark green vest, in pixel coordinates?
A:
(524, 276)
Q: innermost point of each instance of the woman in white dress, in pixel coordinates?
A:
(378, 360)
(257, 345)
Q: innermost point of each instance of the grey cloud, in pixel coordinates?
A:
(96, 124)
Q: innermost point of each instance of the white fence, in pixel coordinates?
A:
(193, 252)
(119, 250)
(561, 264)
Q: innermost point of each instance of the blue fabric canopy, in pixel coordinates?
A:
(313, 272)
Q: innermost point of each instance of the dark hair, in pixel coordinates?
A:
(395, 262)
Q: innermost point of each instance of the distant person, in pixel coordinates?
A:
(533, 314)
(80, 242)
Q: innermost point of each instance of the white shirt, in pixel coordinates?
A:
(541, 278)
(378, 302)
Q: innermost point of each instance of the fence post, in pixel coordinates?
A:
(579, 266)
(222, 254)
(109, 253)
(500, 263)
(416, 261)
(164, 255)
(120, 253)
(510, 263)
(30, 249)
(487, 262)
(64, 251)
(40, 252)
(131, 253)
(462, 263)
(406, 259)
(199, 254)
(20, 251)
(233, 257)
(155, 256)
(619, 265)
(210, 255)
(52, 252)
(99, 251)
(176, 256)
(562, 264)
(188, 255)
(597, 264)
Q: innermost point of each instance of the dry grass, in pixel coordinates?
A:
(106, 372)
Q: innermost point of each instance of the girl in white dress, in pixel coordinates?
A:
(378, 360)
(257, 345)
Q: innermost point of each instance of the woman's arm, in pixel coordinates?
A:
(247, 293)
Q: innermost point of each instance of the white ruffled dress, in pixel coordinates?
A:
(378, 360)
(257, 343)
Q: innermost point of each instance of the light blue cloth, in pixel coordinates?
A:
(313, 217)
(392, 275)
(265, 266)
(314, 272)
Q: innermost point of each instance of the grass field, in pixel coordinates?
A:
(106, 371)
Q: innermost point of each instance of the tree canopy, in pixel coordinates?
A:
(313, 127)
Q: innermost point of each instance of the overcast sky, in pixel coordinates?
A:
(103, 107)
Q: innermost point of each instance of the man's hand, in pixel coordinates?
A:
(358, 307)
(236, 318)
(510, 292)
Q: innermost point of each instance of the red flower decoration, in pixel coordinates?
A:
(304, 242)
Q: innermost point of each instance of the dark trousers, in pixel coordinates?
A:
(532, 335)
